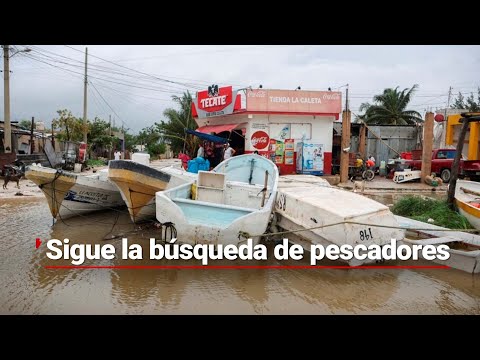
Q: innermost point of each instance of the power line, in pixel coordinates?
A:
(123, 122)
(125, 67)
(107, 80)
(47, 58)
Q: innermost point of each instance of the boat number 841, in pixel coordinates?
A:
(366, 234)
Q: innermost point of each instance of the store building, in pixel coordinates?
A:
(294, 128)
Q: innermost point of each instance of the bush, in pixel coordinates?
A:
(422, 209)
(95, 162)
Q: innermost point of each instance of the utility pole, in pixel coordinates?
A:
(85, 100)
(344, 155)
(448, 102)
(7, 131)
(110, 130)
(53, 138)
(123, 143)
(32, 144)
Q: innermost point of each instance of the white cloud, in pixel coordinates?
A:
(39, 89)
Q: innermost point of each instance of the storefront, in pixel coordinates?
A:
(293, 128)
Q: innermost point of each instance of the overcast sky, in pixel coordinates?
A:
(131, 85)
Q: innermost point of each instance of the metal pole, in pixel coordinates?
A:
(7, 134)
(85, 100)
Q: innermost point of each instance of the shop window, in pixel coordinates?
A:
(298, 131)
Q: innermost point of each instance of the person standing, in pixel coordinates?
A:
(201, 151)
(229, 152)
(117, 155)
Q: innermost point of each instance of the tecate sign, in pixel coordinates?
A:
(260, 139)
(214, 99)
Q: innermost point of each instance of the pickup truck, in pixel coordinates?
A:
(442, 161)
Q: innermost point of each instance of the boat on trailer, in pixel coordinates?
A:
(69, 194)
(326, 215)
(224, 206)
(138, 184)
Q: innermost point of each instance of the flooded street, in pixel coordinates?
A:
(27, 287)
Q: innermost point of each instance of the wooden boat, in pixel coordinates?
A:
(70, 194)
(307, 207)
(224, 205)
(467, 199)
(464, 247)
(138, 184)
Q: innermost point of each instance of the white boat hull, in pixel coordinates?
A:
(138, 184)
(69, 194)
(463, 200)
(465, 257)
(312, 208)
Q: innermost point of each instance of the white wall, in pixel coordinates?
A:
(322, 126)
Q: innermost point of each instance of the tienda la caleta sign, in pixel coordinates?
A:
(215, 101)
(294, 101)
(260, 139)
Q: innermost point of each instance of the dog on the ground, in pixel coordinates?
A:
(12, 177)
(360, 185)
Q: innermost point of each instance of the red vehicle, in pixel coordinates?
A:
(442, 161)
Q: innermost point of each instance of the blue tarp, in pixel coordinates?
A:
(207, 137)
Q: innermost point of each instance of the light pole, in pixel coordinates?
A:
(7, 131)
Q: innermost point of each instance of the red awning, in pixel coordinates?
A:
(217, 128)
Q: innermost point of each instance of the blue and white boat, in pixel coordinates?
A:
(223, 206)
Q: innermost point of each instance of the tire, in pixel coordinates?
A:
(368, 175)
(445, 175)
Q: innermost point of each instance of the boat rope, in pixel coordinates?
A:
(247, 235)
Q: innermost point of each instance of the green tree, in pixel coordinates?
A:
(173, 130)
(71, 128)
(130, 142)
(468, 104)
(26, 124)
(152, 140)
(390, 107)
(99, 140)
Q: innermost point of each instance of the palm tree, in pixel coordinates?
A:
(389, 108)
(178, 121)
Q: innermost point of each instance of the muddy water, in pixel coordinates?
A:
(26, 287)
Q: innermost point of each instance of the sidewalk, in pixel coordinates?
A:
(384, 184)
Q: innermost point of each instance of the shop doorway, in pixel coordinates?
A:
(237, 141)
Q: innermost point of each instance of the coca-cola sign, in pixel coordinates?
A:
(260, 139)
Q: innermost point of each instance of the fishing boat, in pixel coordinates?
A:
(227, 205)
(467, 199)
(138, 184)
(464, 248)
(327, 215)
(69, 194)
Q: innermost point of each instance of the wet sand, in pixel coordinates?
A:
(27, 287)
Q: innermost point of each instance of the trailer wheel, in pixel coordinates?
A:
(445, 175)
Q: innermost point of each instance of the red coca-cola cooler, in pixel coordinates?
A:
(82, 152)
